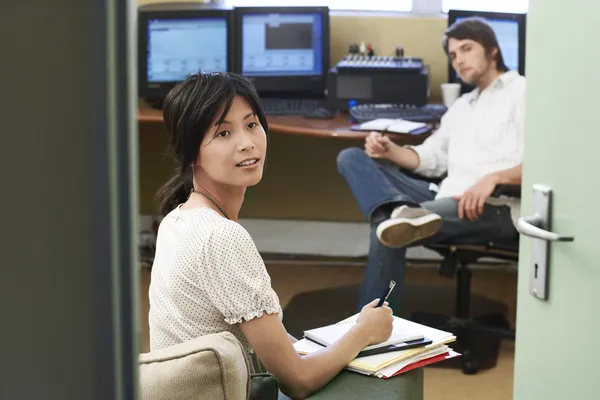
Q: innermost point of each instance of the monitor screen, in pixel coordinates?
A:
(507, 33)
(178, 47)
(280, 44)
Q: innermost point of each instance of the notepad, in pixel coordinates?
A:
(393, 125)
(328, 335)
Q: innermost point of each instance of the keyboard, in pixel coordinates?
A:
(368, 112)
(273, 106)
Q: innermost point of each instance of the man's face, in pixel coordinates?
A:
(469, 59)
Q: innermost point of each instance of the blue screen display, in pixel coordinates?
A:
(180, 47)
(282, 44)
(507, 33)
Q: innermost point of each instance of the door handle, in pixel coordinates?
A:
(530, 226)
(539, 227)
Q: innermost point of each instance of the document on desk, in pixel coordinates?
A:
(371, 365)
(392, 125)
(433, 356)
(400, 365)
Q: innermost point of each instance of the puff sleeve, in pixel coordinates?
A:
(234, 276)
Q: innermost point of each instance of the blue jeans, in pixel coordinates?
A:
(378, 187)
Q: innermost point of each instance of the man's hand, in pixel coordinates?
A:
(377, 145)
(470, 203)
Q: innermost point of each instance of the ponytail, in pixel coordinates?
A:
(175, 191)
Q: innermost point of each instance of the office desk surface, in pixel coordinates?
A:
(337, 127)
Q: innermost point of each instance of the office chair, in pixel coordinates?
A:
(469, 331)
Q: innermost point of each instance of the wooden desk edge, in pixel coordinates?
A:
(147, 115)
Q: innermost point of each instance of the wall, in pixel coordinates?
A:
(301, 180)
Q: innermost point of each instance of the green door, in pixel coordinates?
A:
(557, 353)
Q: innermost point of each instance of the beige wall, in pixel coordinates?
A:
(301, 181)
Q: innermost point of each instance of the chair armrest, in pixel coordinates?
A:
(507, 190)
(501, 190)
(433, 179)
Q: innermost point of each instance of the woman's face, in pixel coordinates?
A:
(233, 153)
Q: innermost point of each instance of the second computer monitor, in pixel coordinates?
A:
(283, 50)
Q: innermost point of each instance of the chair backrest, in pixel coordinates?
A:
(211, 367)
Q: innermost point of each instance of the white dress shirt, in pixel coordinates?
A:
(481, 133)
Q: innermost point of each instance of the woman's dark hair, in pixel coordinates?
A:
(188, 110)
(476, 29)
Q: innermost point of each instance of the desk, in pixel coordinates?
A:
(301, 180)
(337, 127)
(353, 386)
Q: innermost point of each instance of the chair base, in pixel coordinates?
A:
(478, 339)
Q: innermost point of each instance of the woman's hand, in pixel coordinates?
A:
(377, 321)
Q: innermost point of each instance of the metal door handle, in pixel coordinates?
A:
(538, 226)
(530, 226)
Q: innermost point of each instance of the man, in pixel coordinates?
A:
(478, 146)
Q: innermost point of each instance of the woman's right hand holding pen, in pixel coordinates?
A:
(377, 322)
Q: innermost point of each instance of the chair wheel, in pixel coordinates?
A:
(469, 367)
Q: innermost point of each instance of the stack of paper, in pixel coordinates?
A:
(385, 365)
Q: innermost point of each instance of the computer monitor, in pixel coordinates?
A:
(176, 40)
(510, 32)
(283, 50)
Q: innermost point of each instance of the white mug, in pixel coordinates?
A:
(450, 92)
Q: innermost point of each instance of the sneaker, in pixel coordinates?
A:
(408, 225)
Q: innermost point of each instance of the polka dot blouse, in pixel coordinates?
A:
(207, 277)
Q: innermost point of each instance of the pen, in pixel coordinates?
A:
(383, 298)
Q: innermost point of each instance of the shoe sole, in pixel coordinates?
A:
(401, 232)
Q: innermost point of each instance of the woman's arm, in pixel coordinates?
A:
(292, 339)
(236, 281)
(301, 376)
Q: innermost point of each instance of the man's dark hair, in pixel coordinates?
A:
(478, 30)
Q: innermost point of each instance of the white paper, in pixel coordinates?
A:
(402, 126)
(392, 369)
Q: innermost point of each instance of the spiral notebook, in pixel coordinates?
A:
(401, 334)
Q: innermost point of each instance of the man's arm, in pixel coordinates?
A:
(432, 154)
(404, 157)
(470, 204)
(511, 176)
(428, 159)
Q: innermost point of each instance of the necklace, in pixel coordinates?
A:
(212, 201)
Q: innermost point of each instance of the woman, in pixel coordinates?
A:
(207, 275)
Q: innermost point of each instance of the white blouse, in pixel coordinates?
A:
(207, 277)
